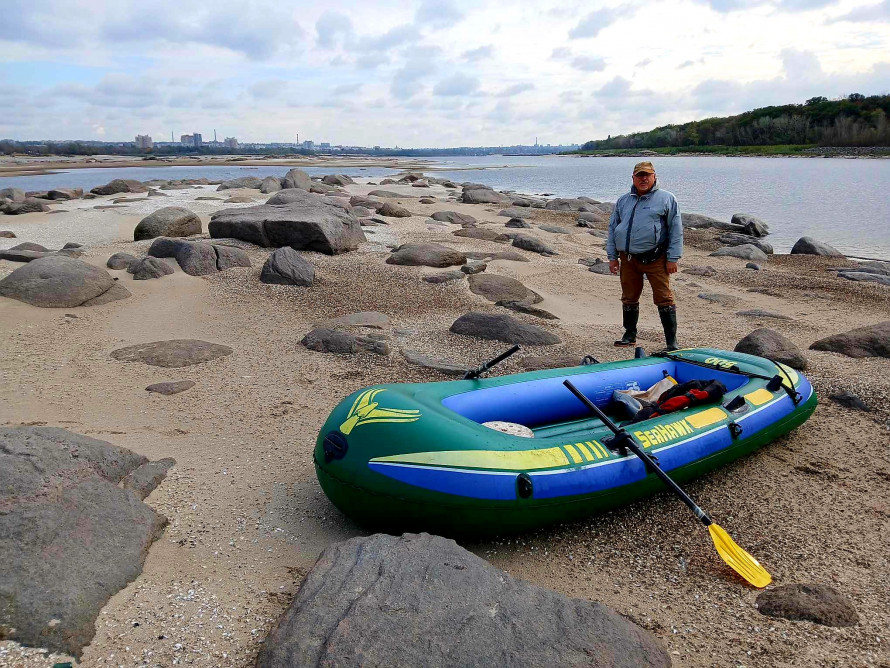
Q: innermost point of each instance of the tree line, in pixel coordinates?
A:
(855, 120)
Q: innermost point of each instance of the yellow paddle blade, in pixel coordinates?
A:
(739, 560)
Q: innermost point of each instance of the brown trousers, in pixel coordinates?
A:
(632, 273)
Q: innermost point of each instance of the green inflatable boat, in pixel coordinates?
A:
(417, 457)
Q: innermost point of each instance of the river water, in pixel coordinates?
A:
(843, 202)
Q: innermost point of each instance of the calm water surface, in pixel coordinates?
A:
(845, 203)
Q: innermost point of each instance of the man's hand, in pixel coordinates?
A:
(671, 267)
(613, 266)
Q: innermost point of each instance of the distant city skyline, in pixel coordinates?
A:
(434, 73)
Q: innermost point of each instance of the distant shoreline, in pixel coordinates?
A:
(776, 151)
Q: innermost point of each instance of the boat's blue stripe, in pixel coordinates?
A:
(501, 485)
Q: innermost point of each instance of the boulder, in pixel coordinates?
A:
(270, 184)
(297, 178)
(562, 204)
(699, 221)
(28, 205)
(371, 319)
(497, 255)
(592, 217)
(527, 308)
(735, 239)
(474, 268)
(514, 212)
(429, 255)
(454, 217)
(533, 244)
(707, 271)
(865, 276)
(63, 194)
(388, 194)
(743, 252)
(718, 298)
(762, 313)
(13, 194)
(286, 266)
(72, 536)
(422, 600)
(502, 328)
(484, 196)
(753, 226)
(196, 258)
(149, 267)
(228, 257)
(58, 281)
(808, 602)
(849, 400)
(554, 229)
(480, 233)
(367, 202)
(30, 246)
(868, 341)
(7, 234)
(601, 268)
(171, 388)
(325, 340)
(420, 359)
(809, 246)
(23, 255)
(172, 354)
(518, 223)
(120, 186)
(252, 182)
(444, 277)
(337, 180)
(497, 288)
(768, 343)
(752, 265)
(315, 224)
(171, 221)
(393, 210)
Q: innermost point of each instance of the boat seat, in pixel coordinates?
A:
(571, 427)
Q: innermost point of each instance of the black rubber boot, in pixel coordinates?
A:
(630, 315)
(668, 315)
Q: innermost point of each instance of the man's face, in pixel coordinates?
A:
(643, 182)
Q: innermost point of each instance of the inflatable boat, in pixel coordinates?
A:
(418, 457)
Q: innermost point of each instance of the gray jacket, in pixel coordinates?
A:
(639, 224)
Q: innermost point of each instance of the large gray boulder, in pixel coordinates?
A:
(481, 233)
(515, 212)
(484, 196)
(286, 266)
(422, 600)
(532, 243)
(809, 246)
(736, 239)
(270, 184)
(14, 194)
(65, 193)
(120, 261)
(58, 281)
(454, 218)
(868, 341)
(120, 186)
(699, 221)
(252, 182)
(28, 205)
(148, 268)
(171, 221)
(337, 180)
(196, 258)
(74, 532)
(768, 343)
(562, 204)
(297, 178)
(753, 226)
(172, 354)
(366, 202)
(502, 328)
(393, 210)
(864, 276)
(744, 252)
(497, 288)
(305, 224)
(428, 255)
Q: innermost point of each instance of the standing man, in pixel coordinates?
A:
(646, 239)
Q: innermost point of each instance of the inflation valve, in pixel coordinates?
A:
(524, 486)
(334, 446)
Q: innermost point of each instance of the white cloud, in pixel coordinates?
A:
(589, 63)
(868, 13)
(456, 84)
(600, 19)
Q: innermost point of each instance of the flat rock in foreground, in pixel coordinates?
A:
(497, 288)
(808, 602)
(172, 354)
(57, 281)
(868, 341)
(72, 537)
(502, 328)
(420, 600)
(428, 255)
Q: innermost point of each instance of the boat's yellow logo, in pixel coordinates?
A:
(365, 410)
(717, 361)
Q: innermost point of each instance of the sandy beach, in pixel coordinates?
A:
(247, 518)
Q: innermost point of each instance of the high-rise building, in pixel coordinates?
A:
(230, 142)
(143, 141)
(308, 144)
(187, 140)
(197, 139)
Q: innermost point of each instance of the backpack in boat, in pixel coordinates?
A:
(685, 395)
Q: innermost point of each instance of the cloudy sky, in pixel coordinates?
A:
(422, 74)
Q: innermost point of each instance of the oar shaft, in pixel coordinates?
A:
(628, 441)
